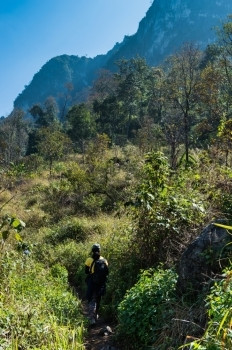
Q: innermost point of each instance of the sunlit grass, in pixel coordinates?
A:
(37, 310)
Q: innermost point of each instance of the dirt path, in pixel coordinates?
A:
(99, 336)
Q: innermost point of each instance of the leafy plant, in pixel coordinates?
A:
(162, 211)
(219, 302)
(146, 308)
(8, 225)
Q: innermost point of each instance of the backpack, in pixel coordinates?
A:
(101, 271)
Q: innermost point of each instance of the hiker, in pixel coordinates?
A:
(96, 268)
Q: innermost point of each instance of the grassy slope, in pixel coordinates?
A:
(59, 233)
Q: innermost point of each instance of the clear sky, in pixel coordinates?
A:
(34, 31)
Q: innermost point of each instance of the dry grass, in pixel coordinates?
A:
(14, 199)
(187, 324)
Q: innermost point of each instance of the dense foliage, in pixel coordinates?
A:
(146, 309)
(37, 309)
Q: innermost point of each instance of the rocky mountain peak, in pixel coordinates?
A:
(167, 25)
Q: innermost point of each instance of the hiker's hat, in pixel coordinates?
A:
(96, 247)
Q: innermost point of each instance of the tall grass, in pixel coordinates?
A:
(37, 309)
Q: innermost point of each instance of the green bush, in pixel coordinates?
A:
(60, 272)
(77, 229)
(226, 204)
(163, 212)
(73, 230)
(93, 203)
(146, 308)
(218, 334)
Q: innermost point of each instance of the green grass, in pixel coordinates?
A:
(37, 309)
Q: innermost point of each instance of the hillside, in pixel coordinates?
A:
(68, 212)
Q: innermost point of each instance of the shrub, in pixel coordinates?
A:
(218, 334)
(72, 228)
(60, 272)
(163, 212)
(146, 308)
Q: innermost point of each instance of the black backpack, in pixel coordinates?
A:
(99, 276)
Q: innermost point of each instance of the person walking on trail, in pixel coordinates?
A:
(96, 268)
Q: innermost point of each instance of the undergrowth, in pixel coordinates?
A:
(37, 309)
(146, 309)
(142, 215)
(218, 334)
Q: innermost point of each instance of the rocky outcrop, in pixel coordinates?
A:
(204, 258)
(170, 23)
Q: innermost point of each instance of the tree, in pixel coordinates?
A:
(47, 114)
(149, 136)
(156, 93)
(225, 137)
(101, 171)
(172, 132)
(52, 145)
(109, 117)
(14, 135)
(181, 87)
(80, 125)
(67, 97)
(103, 87)
(210, 107)
(225, 62)
(96, 151)
(133, 92)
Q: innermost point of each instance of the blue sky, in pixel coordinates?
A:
(34, 31)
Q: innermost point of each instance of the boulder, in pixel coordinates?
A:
(203, 258)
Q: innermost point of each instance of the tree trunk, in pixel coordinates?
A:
(50, 166)
(173, 156)
(186, 136)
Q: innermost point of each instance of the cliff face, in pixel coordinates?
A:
(166, 26)
(170, 23)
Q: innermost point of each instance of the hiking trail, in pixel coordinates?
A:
(99, 336)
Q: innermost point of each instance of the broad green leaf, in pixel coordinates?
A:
(15, 223)
(18, 223)
(164, 192)
(197, 177)
(18, 237)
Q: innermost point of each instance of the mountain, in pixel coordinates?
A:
(170, 23)
(166, 26)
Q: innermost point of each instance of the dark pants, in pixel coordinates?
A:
(93, 295)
